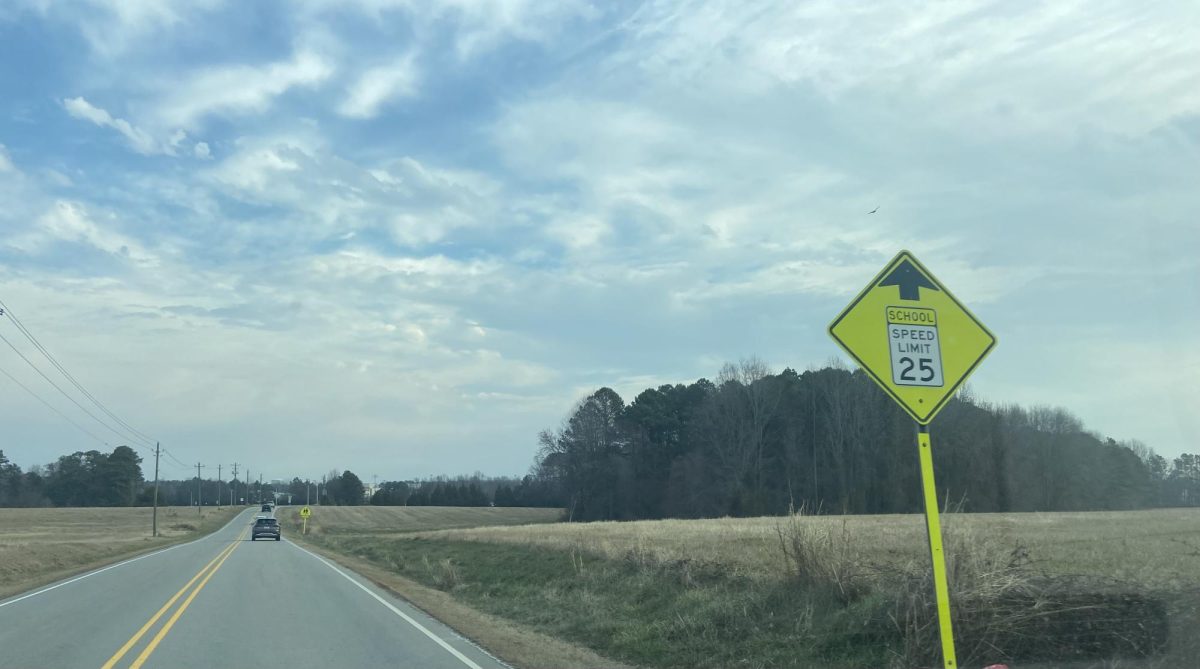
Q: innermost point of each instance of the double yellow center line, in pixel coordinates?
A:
(202, 577)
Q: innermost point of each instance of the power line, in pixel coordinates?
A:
(52, 407)
(64, 394)
(178, 462)
(65, 417)
(70, 377)
(127, 433)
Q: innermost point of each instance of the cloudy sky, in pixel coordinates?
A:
(401, 237)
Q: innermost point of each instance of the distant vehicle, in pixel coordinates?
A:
(266, 507)
(265, 527)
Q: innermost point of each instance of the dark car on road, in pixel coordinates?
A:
(265, 527)
(266, 507)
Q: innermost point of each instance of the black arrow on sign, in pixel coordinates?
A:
(909, 279)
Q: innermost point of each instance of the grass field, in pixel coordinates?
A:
(801, 592)
(383, 520)
(1157, 548)
(38, 546)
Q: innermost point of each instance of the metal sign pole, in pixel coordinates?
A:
(934, 526)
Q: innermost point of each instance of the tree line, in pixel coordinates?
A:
(83, 478)
(475, 490)
(93, 478)
(749, 443)
(754, 442)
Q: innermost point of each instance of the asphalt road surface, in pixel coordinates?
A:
(224, 601)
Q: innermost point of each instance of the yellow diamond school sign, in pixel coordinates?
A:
(912, 336)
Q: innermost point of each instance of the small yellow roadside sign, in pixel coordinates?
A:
(912, 336)
(305, 512)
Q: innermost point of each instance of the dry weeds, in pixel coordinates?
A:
(1157, 548)
(384, 520)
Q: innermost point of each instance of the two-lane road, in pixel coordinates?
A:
(224, 601)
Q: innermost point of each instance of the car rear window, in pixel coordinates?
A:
(266, 521)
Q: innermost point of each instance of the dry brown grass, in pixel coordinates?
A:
(1155, 551)
(38, 546)
(1158, 548)
(384, 520)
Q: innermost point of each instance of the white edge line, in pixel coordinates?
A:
(440, 641)
(113, 566)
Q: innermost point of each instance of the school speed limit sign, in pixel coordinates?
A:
(912, 336)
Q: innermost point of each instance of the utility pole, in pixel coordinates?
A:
(307, 492)
(233, 485)
(154, 522)
(199, 490)
(219, 482)
(260, 493)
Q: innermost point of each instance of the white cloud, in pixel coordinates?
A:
(578, 233)
(177, 138)
(379, 85)
(5, 162)
(368, 265)
(782, 278)
(566, 132)
(414, 203)
(56, 178)
(138, 139)
(654, 183)
(70, 222)
(234, 90)
(476, 26)
(255, 170)
(999, 67)
(115, 27)
(484, 24)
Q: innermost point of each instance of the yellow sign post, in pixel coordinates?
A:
(919, 343)
(305, 513)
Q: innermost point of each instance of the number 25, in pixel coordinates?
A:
(926, 366)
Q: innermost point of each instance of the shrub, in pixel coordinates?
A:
(1003, 607)
(823, 560)
(444, 574)
(1006, 609)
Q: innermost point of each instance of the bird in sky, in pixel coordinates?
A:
(873, 210)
